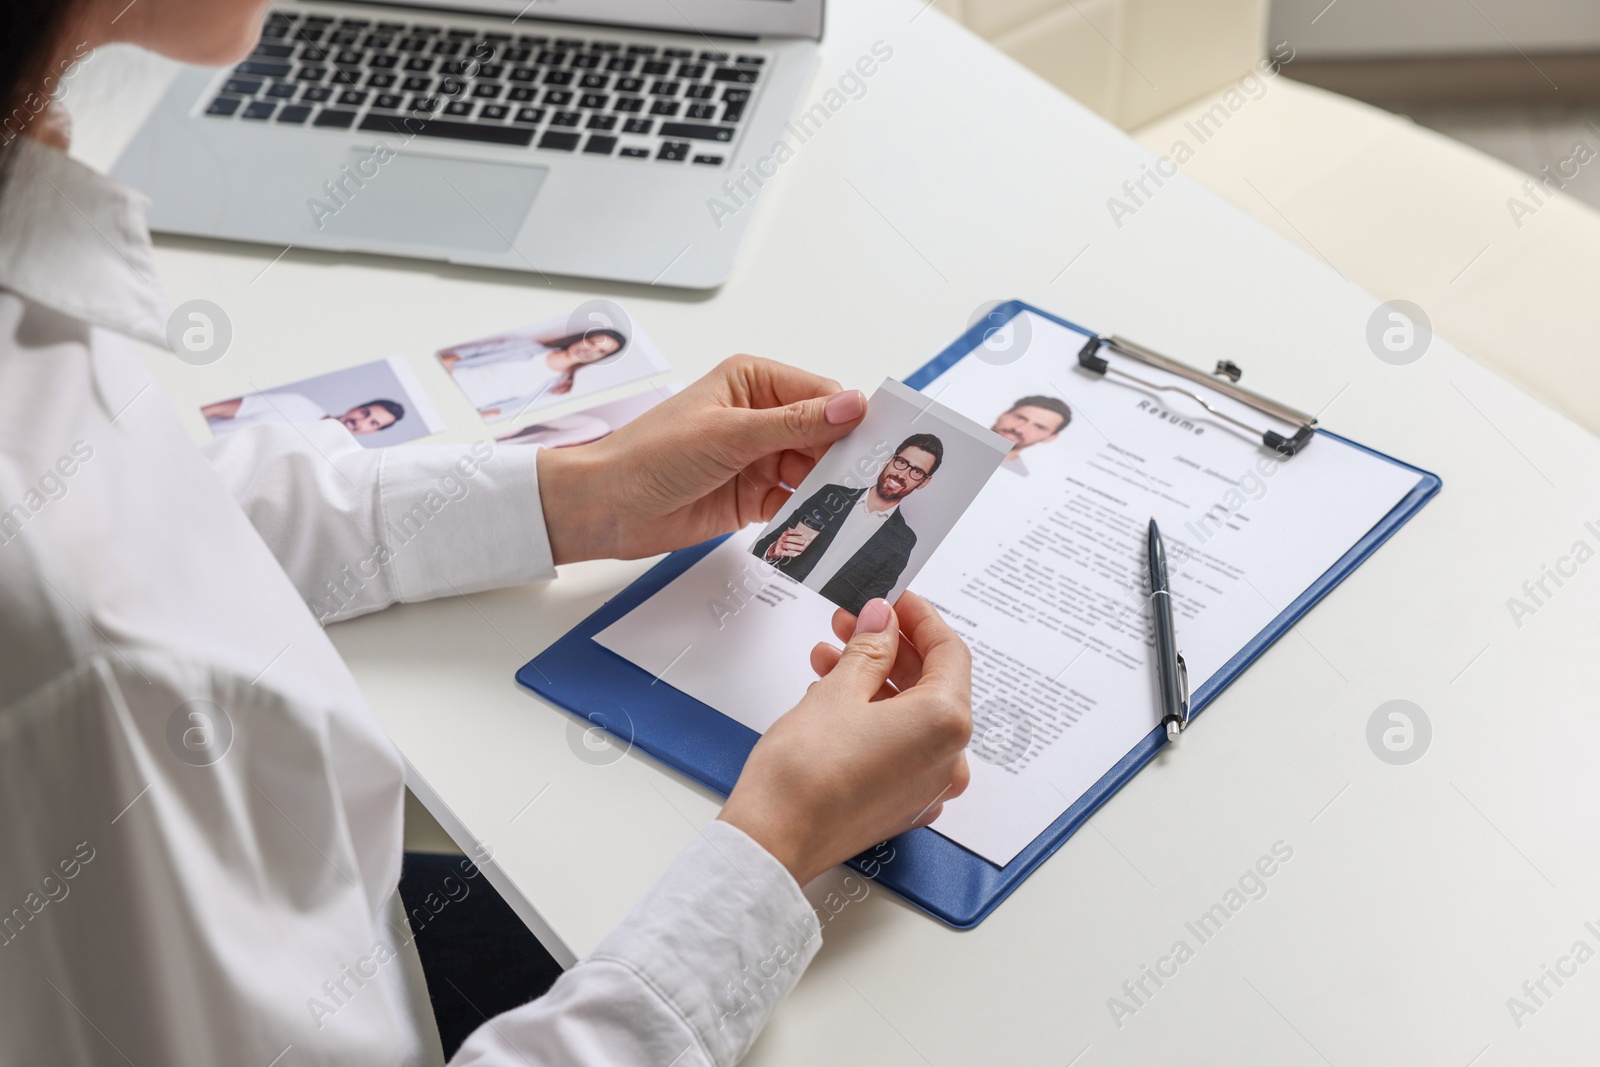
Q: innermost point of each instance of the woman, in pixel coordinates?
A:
(201, 841)
(512, 372)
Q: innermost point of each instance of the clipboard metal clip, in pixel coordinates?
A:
(1224, 380)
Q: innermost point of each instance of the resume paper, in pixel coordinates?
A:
(1044, 575)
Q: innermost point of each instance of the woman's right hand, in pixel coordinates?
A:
(875, 747)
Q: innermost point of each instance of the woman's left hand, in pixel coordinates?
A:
(711, 459)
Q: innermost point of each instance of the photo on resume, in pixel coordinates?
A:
(380, 403)
(881, 500)
(596, 347)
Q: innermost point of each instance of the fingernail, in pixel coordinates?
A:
(874, 618)
(844, 407)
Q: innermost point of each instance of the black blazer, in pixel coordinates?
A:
(870, 573)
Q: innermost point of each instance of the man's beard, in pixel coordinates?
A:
(887, 494)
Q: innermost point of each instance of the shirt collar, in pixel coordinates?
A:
(879, 516)
(76, 241)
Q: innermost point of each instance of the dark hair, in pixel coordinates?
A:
(29, 32)
(929, 444)
(397, 410)
(1048, 403)
(573, 338)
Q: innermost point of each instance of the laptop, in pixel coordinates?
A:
(625, 140)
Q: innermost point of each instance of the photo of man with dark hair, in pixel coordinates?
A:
(1032, 420)
(851, 545)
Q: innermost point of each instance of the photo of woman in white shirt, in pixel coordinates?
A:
(201, 854)
(511, 373)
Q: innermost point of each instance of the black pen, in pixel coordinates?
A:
(1171, 675)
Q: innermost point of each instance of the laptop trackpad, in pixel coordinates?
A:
(392, 196)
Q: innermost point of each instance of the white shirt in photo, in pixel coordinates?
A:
(858, 527)
(269, 409)
(503, 381)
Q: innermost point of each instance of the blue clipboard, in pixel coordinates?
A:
(929, 870)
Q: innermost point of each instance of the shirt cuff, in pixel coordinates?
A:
(462, 520)
(722, 937)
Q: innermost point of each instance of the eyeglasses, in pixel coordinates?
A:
(900, 463)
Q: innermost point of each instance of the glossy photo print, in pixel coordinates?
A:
(506, 375)
(590, 424)
(878, 504)
(380, 403)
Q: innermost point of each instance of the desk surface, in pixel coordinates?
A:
(1418, 898)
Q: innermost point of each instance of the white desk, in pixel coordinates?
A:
(1418, 899)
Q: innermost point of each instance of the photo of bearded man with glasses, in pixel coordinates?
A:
(851, 545)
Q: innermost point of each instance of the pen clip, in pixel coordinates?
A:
(1183, 673)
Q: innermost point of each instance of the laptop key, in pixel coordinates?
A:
(630, 85)
(523, 74)
(620, 65)
(635, 153)
(241, 86)
(459, 108)
(566, 118)
(345, 76)
(520, 94)
(600, 145)
(353, 97)
(595, 100)
(311, 74)
(486, 91)
(316, 94)
(601, 122)
(427, 105)
(752, 61)
(417, 84)
(691, 70)
(678, 53)
(699, 92)
(380, 81)
(459, 131)
(332, 119)
(418, 65)
(493, 112)
(566, 142)
(673, 151)
(733, 112)
(260, 110)
(735, 74)
(516, 55)
(710, 161)
(283, 90)
(557, 98)
(735, 96)
(701, 111)
(268, 50)
(350, 57)
(452, 86)
(638, 126)
(558, 77)
(594, 81)
(389, 101)
(714, 57)
(656, 66)
(665, 88)
(586, 60)
(263, 68)
(224, 105)
(696, 131)
(531, 115)
(664, 107)
(384, 61)
(293, 114)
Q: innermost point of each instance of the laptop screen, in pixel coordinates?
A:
(746, 18)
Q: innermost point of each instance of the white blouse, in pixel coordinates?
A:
(201, 831)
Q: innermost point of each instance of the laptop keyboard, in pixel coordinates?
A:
(566, 93)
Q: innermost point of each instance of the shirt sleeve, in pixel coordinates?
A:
(359, 529)
(689, 978)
